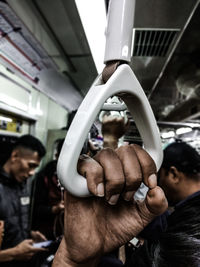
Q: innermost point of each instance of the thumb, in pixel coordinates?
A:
(28, 241)
(156, 201)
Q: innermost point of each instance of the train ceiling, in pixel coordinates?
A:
(166, 52)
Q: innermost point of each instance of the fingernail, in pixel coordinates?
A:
(113, 199)
(100, 190)
(152, 180)
(128, 195)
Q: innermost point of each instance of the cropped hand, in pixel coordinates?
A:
(112, 129)
(97, 225)
(37, 236)
(25, 250)
(58, 207)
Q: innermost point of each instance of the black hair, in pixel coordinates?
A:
(59, 145)
(184, 157)
(94, 132)
(179, 245)
(30, 142)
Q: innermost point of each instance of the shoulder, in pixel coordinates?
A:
(2, 188)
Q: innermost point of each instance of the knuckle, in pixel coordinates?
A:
(104, 154)
(116, 183)
(133, 183)
(106, 151)
(149, 165)
(96, 172)
(123, 149)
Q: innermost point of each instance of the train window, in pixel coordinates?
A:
(11, 128)
(8, 123)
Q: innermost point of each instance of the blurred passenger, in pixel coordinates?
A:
(179, 245)
(48, 203)
(48, 200)
(179, 177)
(17, 245)
(91, 145)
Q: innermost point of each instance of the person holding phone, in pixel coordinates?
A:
(17, 240)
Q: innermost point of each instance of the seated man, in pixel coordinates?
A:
(17, 244)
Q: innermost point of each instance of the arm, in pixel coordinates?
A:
(8, 254)
(97, 225)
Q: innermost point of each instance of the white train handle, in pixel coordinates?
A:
(114, 107)
(123, 82)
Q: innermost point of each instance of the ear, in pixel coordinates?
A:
(174, 174)
(14, 155)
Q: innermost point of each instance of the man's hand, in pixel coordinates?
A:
(97, 225)
(37, 236)
(58, 207)
(22, 252)
(25, 250)
(112, 129)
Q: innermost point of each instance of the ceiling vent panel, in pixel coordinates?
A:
(153, 42)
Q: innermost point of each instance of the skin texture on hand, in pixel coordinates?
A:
(97, 225)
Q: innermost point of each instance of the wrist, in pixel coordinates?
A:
(65, 259)
(110, 141)
(69, 263)
(8, 254)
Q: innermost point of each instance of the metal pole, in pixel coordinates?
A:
(119, 30)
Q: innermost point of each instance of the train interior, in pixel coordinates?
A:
(48, 63)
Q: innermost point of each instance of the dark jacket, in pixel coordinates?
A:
(143, 256)
(46, 193)
(14, 210)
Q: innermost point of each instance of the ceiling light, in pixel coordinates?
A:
(2, 118)
(93, 17)
(183, 130)
(169, 134)
(13, 102)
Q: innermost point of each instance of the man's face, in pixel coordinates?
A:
(24, 163)
(166, 182)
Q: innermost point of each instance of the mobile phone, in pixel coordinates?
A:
(43, 244)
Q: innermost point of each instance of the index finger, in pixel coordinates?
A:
(93, 172)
